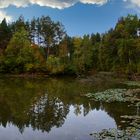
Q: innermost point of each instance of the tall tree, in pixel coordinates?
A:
(51, 32)
(5, 35)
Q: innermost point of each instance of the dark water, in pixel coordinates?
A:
(52, 109)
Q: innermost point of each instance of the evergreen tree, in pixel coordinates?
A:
(5, 35)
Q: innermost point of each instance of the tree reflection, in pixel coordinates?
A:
(44, 104)
(47, 113)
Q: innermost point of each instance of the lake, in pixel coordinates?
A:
(53, 109)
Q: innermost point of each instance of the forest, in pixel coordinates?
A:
(42, 45)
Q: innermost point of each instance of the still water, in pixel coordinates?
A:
(53, 109)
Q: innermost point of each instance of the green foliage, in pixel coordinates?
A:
(119, 49)
(41, 45)
(82, 56)
(5, 35)
(18, 52)
(21, 56)
(54, 65)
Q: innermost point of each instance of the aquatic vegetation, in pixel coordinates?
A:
(116, 95)
(132, 130)
(109, 95)
(138, 104)
(134, 121)
(113, 134)
(132, 83)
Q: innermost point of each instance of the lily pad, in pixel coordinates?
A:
(116, 95)
(132, 83)
(113, 134)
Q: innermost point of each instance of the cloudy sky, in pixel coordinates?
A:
(78, 16)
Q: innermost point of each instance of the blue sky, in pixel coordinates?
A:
(78, 16)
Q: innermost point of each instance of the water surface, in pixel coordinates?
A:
(53, 109)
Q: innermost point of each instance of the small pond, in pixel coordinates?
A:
(53, 109)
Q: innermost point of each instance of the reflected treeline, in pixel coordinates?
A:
(45, 103)
(116, 110)
(48, 112)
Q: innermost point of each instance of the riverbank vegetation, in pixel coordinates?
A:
(43, 46)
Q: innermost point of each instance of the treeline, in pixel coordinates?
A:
(42, 45)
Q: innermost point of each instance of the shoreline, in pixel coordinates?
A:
(87, 76)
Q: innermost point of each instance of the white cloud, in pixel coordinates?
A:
(100, 2)
(133, 3)
(4, 15)
(60, 4)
